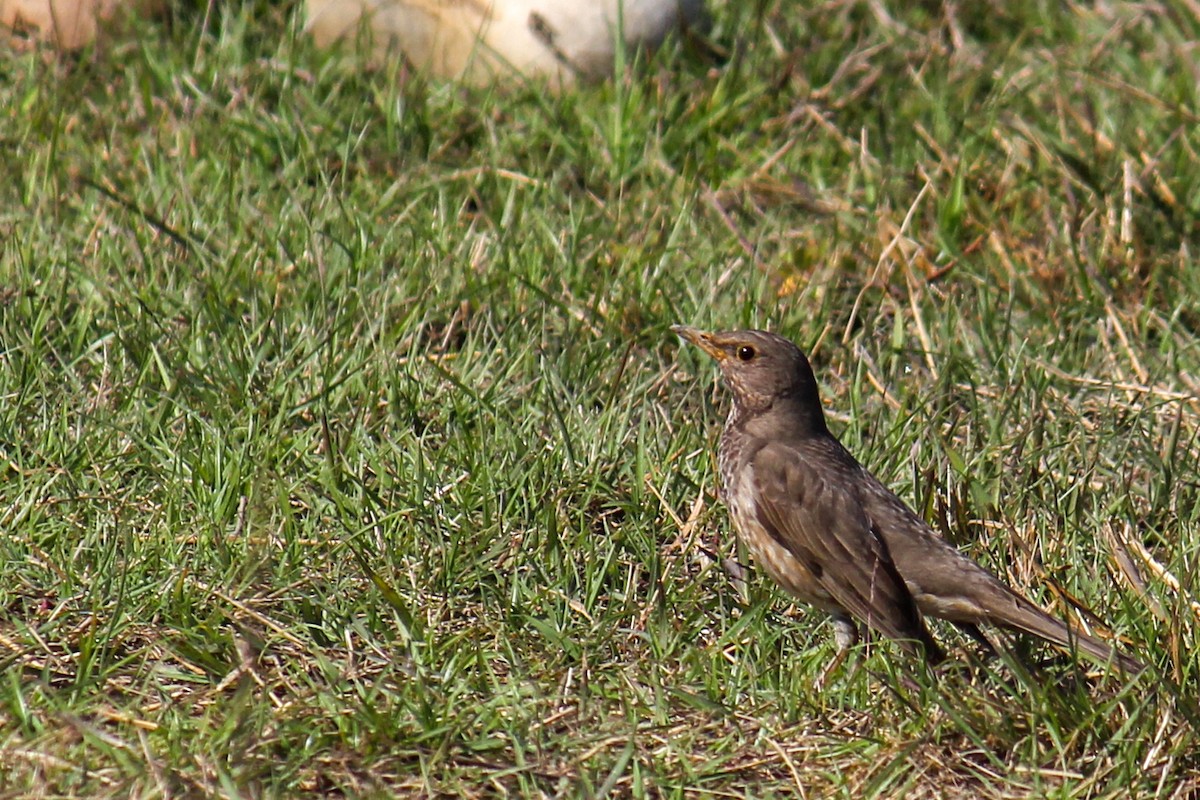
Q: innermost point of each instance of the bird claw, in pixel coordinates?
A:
(839, 658)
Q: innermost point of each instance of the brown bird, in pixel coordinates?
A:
(828, 532)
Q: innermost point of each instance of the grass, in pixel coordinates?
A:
(345, 449)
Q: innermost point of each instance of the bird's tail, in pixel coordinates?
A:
(1024, 616)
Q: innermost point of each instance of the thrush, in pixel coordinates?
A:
(831, 534)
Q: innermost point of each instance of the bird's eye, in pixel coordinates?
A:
(746, 352)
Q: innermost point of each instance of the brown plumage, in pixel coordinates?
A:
(827, 531)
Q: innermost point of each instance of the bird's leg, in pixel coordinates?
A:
(845, 636)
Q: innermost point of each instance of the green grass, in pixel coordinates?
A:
(345, 448)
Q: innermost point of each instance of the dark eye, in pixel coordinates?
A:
(746, 352)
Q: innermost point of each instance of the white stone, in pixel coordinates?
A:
(477, 40)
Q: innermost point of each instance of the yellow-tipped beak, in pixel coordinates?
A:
(702, 339)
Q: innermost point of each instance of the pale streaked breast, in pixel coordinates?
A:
(783, 567)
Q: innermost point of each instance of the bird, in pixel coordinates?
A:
(481, 40)
(832, 535)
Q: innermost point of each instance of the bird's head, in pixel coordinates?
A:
(761, 369)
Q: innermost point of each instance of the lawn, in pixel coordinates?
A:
(345, 449)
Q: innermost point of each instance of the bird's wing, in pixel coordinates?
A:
(814, 510)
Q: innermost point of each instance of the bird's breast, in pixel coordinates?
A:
(776, 560)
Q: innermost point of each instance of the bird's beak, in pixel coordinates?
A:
(702, 339)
